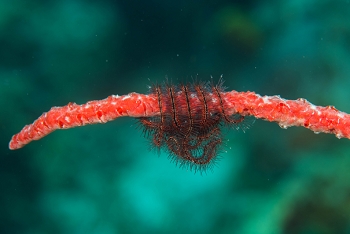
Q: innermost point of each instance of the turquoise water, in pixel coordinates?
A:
(105, 179)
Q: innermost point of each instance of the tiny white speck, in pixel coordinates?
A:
(126, 97)
(313, 107)
(341, 115)
(339, 135)
(266, 99)
(283, 126)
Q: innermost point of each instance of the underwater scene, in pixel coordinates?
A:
(111, 178)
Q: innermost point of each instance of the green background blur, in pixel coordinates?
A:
(104, 179)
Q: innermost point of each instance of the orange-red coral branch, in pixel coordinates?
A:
(73, 115)
(289, 113)
(285, 112)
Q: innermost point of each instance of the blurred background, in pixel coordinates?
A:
(104, 179)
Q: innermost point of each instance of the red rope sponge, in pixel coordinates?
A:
(73, 115)
(289, 113)
(197, 99)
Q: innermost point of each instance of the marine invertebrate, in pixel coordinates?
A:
(185, 119)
